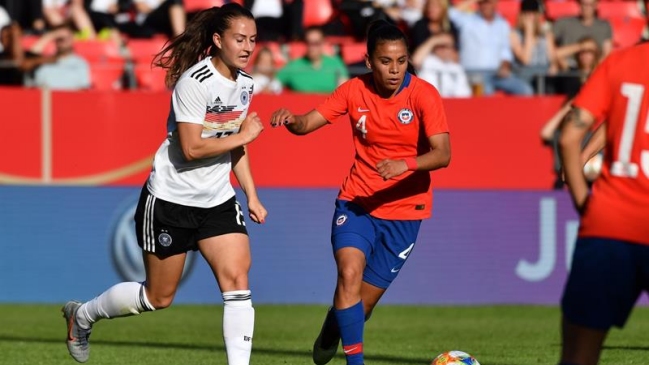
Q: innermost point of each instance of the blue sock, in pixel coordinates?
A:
(351, 322)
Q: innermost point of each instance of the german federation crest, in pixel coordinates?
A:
(244, 97)
(405, 116)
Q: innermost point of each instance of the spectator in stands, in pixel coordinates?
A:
(485, 48)
(533, 44)
(11, 55)
(570, 84)
(263, 73)
(569, 30)
(316, 72)
(360, 13)
(103, 17)
(402, 12)
(436, 62)
(64, 70)
(157, 17)
(585, 61)
(435, 20)
(5, 19)
(28, 14)
(277, 20)
(58, 12)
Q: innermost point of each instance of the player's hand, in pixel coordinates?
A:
(257, 211)
(391, 168)
(251, 127)
(281, 117)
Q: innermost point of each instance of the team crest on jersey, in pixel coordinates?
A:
(165, 239)
(245, 96)
(405, 116)
(341, 220)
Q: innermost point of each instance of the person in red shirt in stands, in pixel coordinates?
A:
(400, 134)
(609, 267)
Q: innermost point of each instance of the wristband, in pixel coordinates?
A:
(411, 162)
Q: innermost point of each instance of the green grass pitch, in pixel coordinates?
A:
(408, 335)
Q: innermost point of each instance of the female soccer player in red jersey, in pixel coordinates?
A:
(400, 134)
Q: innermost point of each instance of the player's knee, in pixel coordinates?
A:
(235, 280)
(159, 300)
(350, 275)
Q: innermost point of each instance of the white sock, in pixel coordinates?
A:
(121, 300)
(238, 326)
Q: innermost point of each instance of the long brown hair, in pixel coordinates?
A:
(195, 43)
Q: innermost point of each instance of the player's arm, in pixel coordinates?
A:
(298, 124)
(190, 101)
(243, 174)
(195, 147)
(574, 129)
(438, 157)
(595, 144)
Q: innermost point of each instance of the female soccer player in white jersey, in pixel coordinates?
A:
(188, 202)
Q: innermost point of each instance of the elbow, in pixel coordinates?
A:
(190, 154)
(447, 160)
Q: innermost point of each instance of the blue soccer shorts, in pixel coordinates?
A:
(606, 278)
(387, 244)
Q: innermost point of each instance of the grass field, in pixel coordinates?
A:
(184, 335)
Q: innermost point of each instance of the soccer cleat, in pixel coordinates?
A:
(77, 340)
(326, 345)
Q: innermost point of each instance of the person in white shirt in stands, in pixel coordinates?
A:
(65, 70)
(485, 47)
(435, 62)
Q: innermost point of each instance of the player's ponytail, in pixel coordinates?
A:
(195, 43)
(380, 31)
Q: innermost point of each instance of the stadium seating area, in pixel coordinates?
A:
(112, 65)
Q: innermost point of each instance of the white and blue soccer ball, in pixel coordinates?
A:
(454, 358)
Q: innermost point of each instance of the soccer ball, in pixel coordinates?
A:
(455, 358)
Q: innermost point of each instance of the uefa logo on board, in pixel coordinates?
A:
(126, 255)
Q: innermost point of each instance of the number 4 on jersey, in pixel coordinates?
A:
(623, 166)
(360, 126)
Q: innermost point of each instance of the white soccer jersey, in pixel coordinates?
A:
(202, 96)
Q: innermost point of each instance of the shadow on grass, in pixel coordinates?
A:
(218, 347)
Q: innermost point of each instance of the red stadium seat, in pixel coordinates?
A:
(353, 52)
(192, 6)
(97, 51)
(627, 31)
(298, 49)
(509, 10)
(143, 50)
(558, 9)
(107, 76)
(619, 9)
(317, 12)
(150, 79)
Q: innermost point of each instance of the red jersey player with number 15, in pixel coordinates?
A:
(610, 263)
(400, 134)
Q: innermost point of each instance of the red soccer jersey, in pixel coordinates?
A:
(618, 91)
(394, 128)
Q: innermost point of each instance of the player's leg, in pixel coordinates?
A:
(326, 344)
(581, 345)
(352, 236)
(600, 292)
(225, 246)
(348, 306)
(164, 258)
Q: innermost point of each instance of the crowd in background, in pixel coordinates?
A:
(465, 48)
